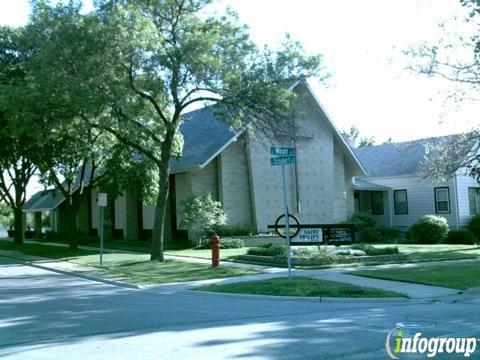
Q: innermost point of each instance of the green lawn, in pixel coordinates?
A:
(456, 276)
(408, 249)
(300, 286)
(53, 252)
(138, 269)
(225, 254)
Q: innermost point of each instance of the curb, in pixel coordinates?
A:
(76, 274)
(303, 298)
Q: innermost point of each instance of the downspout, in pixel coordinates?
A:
(457, 212)
(390, 206)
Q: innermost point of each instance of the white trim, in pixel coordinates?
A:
(455, 197)
(337, 132)
(219, 151)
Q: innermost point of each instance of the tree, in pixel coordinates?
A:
(353, 136)
(140, 64)
(456, 59)
(17, 151)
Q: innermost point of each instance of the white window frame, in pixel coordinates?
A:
(436, 190)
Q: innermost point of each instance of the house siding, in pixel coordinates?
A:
(421, 199)
(463, 183)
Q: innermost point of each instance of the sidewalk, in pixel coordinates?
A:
(413, 291)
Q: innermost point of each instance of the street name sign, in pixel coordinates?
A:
(282, 151)
(282, 160)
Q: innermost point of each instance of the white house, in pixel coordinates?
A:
(234, 167)
(396, 193)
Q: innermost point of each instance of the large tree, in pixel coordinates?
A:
(18, 151)
(455, 58)
(141, 64)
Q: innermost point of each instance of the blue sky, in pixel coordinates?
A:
(362, 43)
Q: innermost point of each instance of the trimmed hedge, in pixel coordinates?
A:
(459, 237)
(230, 230)
(267, 250)
(380, 234)
(362, 221)
(227, 243)
(429, 229)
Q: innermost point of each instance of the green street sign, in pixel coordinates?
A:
(282, 160)
(282, 151)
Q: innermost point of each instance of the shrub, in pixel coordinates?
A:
(459, 237)
(475, 226)
(268, 250)
(230, 230)
(227, 243)
(373, 251)
(380, 234)
(50, 235)
(201, 213)
(362, 221)
(429, 229)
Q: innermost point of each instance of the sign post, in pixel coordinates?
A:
(102, 203)
(284, 156)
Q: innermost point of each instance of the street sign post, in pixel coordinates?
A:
(282, 156)
(102, 203)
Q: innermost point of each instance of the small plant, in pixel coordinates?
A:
(362, 221)
(226, 243)
(268, 250)
(475, 226)
(459, 237)
(201, 214)
(429, 229)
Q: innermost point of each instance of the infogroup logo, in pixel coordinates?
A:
(398, 343)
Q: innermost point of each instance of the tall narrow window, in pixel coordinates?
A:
(474, 200)
(377, 203)
(400, 202)
(442, 200)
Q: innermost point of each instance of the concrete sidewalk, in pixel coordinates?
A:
(344, 275)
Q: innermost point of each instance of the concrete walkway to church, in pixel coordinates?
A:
(345, 275)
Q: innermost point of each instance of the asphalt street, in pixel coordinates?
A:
(46, 315)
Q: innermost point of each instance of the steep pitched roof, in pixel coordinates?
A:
(205, 136)
(44, 200)
(394, 159)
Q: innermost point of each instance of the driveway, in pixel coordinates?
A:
(45, 315)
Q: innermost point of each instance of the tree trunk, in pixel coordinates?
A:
(71, 223)
(18, 226)
(162, 197)
(159, 221)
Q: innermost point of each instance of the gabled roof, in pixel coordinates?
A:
(47, 200)
(44, 200)
(206, 136)
(395, 159)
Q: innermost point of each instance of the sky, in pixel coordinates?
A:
(362, 43)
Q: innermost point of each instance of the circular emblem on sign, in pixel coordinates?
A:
(293, 225)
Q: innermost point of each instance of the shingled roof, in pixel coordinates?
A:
(205, 136)
(394, 159)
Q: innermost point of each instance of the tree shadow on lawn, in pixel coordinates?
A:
(47, 310)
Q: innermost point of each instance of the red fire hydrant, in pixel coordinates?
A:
(215, 243)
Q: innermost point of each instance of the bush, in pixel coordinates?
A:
(230, 230)
(362, 221)
(373, 251)
(380, 234)
(268, 250)
(429, 229)
(459, 237)
(227, 243)
(475, 226)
